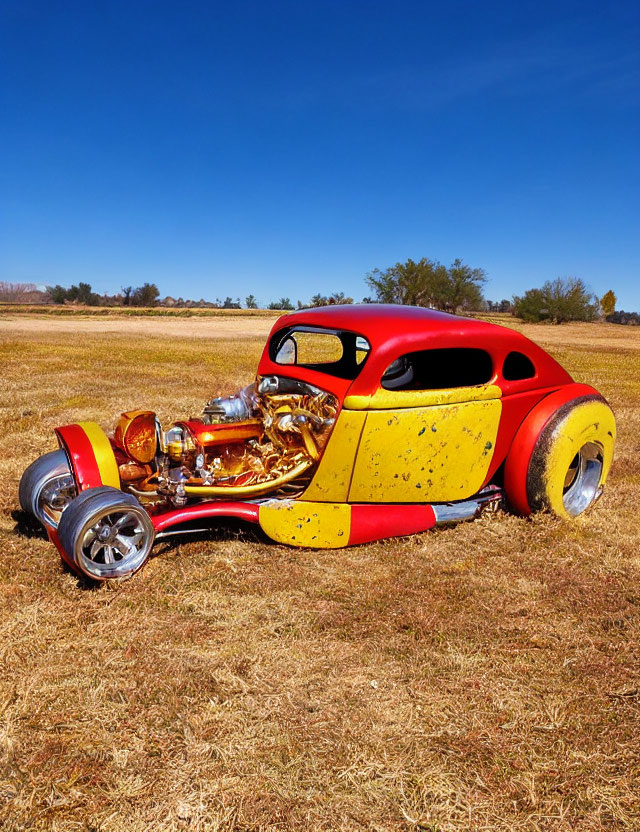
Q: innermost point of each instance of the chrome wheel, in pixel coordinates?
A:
(47, 487)
(106, 533)
(582, 483)
(116, 537)
(54, 497)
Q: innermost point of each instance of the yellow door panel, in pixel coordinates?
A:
(300, 523)
(425, 454)
(330, 483)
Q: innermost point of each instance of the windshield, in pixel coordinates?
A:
(335, 352)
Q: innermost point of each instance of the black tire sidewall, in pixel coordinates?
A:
(35, 477)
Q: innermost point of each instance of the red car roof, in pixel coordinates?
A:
(393, 330)
(379, 321)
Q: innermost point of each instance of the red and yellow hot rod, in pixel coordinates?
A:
(364, 422)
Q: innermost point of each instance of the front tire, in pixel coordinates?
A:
(47, 487)
(106, 533)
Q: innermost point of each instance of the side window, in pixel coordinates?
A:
(439, 369)
(517, 366)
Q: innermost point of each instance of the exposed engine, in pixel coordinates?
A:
(265, 439)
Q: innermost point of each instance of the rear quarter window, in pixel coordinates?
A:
(517, 366)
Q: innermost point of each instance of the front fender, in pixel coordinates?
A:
(90, 455)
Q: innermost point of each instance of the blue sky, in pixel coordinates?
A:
(286, 148)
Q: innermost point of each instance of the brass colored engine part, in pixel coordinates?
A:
(254, 490)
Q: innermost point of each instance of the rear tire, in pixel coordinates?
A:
(106, 533)
(571, 458)
(47, 487)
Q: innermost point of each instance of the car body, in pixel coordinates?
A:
(364, 422)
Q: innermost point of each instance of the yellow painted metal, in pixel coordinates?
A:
(425, 454)
(247, 490)
(393, 399)
(301, 523)
(103, 452)
(587, 422)
(330, 483)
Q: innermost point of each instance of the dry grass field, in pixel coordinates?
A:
(483, 677)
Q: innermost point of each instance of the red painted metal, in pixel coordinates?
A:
(224, 433)
(394, 330)
(80, 453)
(53, 537)
(515, 408)
(200, 511)
(519, 455)
(374, 522)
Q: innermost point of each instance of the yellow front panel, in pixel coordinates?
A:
(103, 452)
(425, 454)
(331, 481)
(299, 523)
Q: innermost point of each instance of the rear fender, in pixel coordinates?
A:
(519, 455)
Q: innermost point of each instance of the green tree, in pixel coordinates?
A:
(339, 298)
(251, 302)
(82, 294)
(145, 295)
(283, 303)
(559, 300)
(319, 300)
(608, 303)
(57, 293)
(531, 306)
(464, 290)
(429, 283)
(126, 295)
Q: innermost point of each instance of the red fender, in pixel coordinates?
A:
(516, 463)
(90, 455)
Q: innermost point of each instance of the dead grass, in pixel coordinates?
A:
(483, 677)
(78, 311)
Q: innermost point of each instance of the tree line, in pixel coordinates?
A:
(459, 288)
(82, 293)
(428, 283)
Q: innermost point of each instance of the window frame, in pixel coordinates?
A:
(346, 367)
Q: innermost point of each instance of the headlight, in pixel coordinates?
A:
(136, 435)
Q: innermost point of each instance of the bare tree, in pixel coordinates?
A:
(15, 292)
